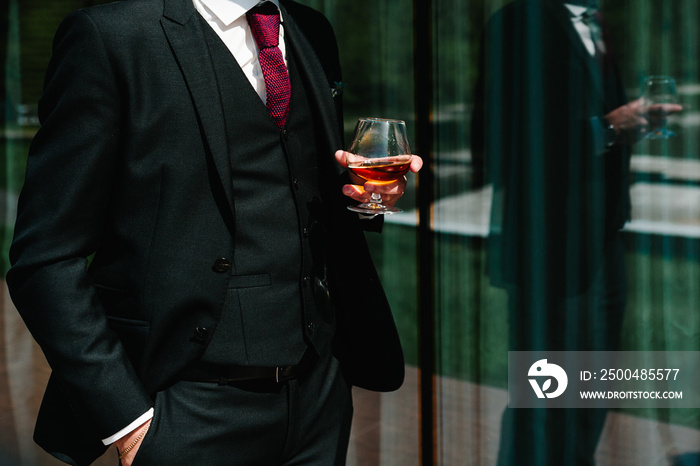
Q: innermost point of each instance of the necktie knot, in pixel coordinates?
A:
(591, 16)
(264, 23)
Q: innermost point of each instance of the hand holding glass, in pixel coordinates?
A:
(659, 90)
(379, 152)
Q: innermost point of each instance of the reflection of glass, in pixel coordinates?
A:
(379, 152)
(660, 90)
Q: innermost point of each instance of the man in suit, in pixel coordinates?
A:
(182, 252)
(554, 127)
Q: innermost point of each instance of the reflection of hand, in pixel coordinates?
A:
(657, 113)
(131, 442)
(361, 190)
(634, 120)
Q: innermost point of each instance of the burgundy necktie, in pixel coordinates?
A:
(264, 23)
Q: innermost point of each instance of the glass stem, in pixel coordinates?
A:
(375, 198)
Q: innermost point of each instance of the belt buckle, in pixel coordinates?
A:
(281, 375)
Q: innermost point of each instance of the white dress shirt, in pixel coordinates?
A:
(228, 19)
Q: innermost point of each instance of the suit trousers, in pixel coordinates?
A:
(304, 421)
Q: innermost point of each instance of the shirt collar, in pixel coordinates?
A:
(228, 11)
(576, 10)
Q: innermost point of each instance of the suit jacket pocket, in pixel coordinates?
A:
(250, 281)
(117, 302)
(133, 335)
(124, 320)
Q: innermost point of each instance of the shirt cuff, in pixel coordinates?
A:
(140, 420)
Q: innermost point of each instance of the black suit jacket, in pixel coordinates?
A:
(131, 169)
(560, 195)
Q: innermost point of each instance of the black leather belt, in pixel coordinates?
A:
(225, 374)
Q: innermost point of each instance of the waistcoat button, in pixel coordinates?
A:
(200, 334)
(221, 265)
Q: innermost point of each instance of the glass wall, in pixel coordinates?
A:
(512, 246)
(526, 230)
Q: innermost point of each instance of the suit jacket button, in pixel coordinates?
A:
(221, 265)
(200, 334)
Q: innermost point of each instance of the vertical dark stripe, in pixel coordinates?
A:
(423, 76)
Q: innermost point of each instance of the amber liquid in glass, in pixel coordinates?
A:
(382, 171)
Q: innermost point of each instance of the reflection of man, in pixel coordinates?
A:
(554, 127)
(224, 263)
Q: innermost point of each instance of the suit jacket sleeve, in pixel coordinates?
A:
(61, 215)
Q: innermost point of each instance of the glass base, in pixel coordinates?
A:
(370, 208)
(660, 134)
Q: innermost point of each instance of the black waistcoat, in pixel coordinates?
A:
(275, 304)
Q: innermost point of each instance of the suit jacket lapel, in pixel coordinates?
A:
(315, 81)
(186, 37)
